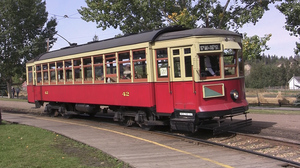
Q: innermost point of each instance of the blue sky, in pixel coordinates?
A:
(76, 30)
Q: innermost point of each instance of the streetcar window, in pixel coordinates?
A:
(176, 52)
(140, 64)
(60, 72)
(162, 63)
(124, 65)
(52, 73)
(241, 62)
(187, 50)
(45, 74)
(77, 70)
(177, 72)
(98, 65)
(30, 79)
(111, 68)
(188, 66)
(68, 71)
(87, 69)
(209, 66)
(39, 74)
(230, 57)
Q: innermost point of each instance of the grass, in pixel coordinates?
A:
(26, 146)
(15, 99)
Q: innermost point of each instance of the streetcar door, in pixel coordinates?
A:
(181, 78)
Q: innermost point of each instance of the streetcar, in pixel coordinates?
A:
(183, 78)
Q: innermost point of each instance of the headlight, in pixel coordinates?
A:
(234, 95)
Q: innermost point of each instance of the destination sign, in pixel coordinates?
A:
(209, 47)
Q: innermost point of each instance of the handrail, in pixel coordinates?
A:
(169, 83)
(193, 80)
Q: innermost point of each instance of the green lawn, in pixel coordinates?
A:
(25, 146)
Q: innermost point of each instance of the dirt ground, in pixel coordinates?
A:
(281, 126)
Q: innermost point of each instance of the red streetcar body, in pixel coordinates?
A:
(184, 77)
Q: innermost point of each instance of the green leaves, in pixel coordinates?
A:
(254, 46)
(133, 16)
(291, 10)
(23, 32)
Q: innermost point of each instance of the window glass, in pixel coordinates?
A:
(98, 65)
(111, 68)
(77, 70)
(39, 74)
(52, 72)
(188, 66)
(177, 72)
(30, 80)
(60, 72)
(68, 69)
(110, 62)
(187, 50)
(162, 53)
(209, 65)
(124, 65)
(176, 52)
(87, 69)
(45, 73)
(140, 64)
(229, 62)
(241, 62)
(162, 63)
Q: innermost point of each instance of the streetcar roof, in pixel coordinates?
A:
(150, 36)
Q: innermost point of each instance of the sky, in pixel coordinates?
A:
(76, 30)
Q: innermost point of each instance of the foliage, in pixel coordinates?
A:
(254, 46)
(291, 10)
(23, 32)
(133, 16)
(272, 71)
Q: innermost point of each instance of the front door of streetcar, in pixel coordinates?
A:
(181, 78)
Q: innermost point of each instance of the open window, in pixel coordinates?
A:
(209, 66)
(139, 65)
(111, 68)
(52, 73)
(45, 74)
(124, 67)
(60, 72)
(38, 74)
(68, 71)
(77, 70)
(87, 70)
(98, 69)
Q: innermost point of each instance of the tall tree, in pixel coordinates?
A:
(254, 46)
(133, 16)
(23, 32)
(291, 10)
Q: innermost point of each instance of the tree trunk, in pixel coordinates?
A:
(9, 91)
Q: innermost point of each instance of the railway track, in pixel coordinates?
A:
(287, 152)
(280, 150)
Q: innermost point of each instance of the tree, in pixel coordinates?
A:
(291, 10)
(133, 16)
(23, 32)
(254, 46)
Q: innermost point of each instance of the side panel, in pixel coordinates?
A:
(163, 98)
(30, 93)
(223, 102)
(139, 94)
(184, 96)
